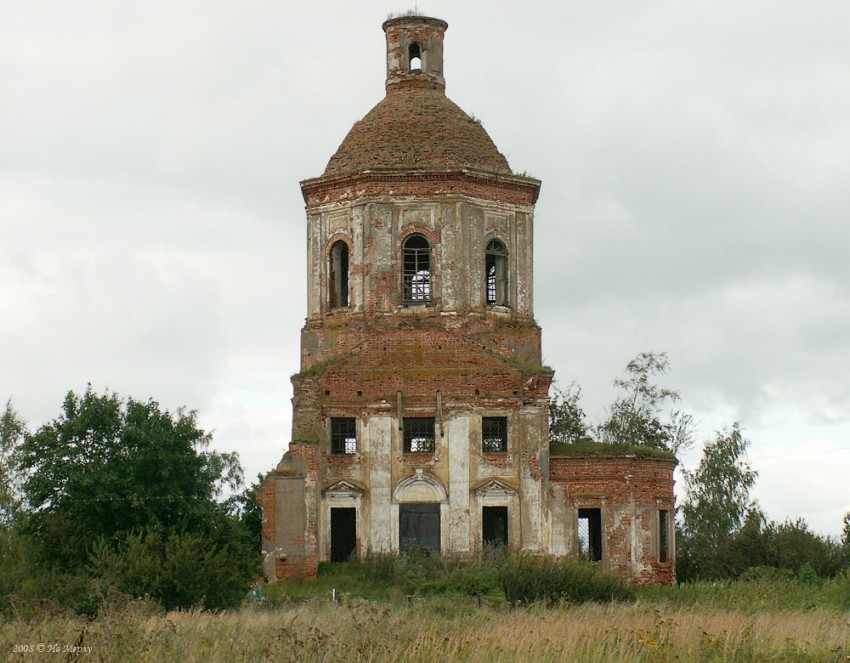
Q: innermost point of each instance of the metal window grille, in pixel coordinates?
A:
(496, 272)
(590, 534)
(494, 434)
(583, 539)
(343, 435)
(416, 270)
(491, 280)
(419, 434)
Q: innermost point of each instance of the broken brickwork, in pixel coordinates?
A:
(632, 495)
(413, 228)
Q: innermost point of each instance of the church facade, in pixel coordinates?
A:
(420, 414)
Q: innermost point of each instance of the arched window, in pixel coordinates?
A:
(416, 270)
(414, 57)
(338, 275)
(496, 269)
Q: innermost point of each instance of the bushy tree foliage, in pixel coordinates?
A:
(105, 467)
(718, 509)
(718, 490)
(567, 423)
(177, 568)
(114, 476)
(792, 545)
(636, 416)
(765, 548)
(717, 503)
(244, 507)
(12, 430)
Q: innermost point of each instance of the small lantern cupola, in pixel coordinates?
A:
(415, 52)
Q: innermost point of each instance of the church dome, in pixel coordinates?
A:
(417, 128)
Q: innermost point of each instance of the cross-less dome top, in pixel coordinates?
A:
(417, 128)
(416, 125)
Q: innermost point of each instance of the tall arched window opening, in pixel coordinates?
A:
(338, 279)
(414, 57)
(496, 268)
(416, 270)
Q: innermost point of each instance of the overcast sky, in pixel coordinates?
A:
(695, 159)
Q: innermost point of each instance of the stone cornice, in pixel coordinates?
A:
(310, 188)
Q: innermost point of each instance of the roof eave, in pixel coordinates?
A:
(316, 184)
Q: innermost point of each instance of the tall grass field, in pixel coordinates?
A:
(402, 610)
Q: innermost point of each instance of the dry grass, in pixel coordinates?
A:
(436, 629)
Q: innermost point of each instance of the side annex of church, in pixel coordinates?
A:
(420, 415)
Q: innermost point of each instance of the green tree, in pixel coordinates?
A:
(792, 545)
(717, 504)
(12, 429)
(107, 469)
(636, 416)
(567, 423)
(244, 507)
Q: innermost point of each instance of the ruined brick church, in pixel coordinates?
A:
(420, 415)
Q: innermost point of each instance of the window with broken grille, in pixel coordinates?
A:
(589, 535)
(343, 435)
(497, 273)
(416, 270)
(418, 434)
(494, 434)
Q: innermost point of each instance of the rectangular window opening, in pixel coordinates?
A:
(494, 525)
(418, 435)
(590, 535)
(663, 536)
(417, 275)
(343, 435)
(494, 434)
(338, 275)
(496, 273)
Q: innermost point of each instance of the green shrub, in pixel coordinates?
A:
(179, 570)
(756, 573)
(836, 590)
(526, 579)
(808, 574)
(376, 567)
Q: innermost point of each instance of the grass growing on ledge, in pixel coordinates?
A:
(588, 447)
(318, 367)
(525, 366)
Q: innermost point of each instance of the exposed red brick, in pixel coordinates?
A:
(647, 483)
(417, 128)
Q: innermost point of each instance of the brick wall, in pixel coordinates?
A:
(630, 491)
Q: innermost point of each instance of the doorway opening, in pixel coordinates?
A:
(419, 527)
(343, 533)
